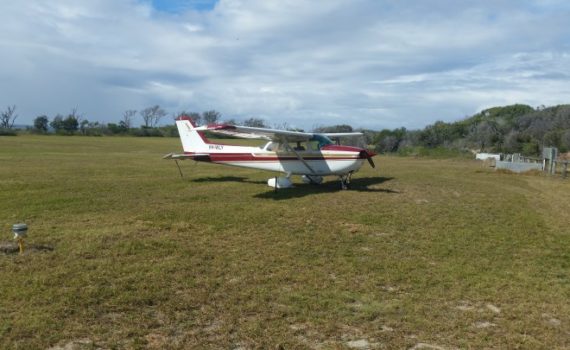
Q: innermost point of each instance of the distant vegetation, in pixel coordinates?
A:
(7, 119)
(510, 129)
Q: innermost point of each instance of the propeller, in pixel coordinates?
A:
(368, 155)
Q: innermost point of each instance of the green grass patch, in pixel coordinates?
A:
(435, 152)
(420, 251)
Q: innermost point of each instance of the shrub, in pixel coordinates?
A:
(8, 132)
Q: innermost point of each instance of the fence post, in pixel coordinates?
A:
(565, 170)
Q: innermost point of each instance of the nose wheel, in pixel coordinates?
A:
(345, 181)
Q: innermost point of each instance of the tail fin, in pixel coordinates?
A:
(192, 141)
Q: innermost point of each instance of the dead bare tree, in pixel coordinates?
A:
(196, 117)
(128, 116)
(8, 117)
(152, 115)
(211, 117)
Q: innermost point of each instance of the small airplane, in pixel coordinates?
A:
(311, 155)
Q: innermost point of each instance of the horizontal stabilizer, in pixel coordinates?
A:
(200, 157)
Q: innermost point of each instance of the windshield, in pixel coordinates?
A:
(322, 140)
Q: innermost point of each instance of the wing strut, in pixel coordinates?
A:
(300, 158)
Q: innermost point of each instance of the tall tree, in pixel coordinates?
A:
(127, 120)
(8, 117)
(255, 123)
(484, 134)
(83, 126)
(41, 124)
(196, 117)
(70, 124)
(211, 117)
(76, 115)
(512, 143)
(334, 128)
(152, 115)
(565, 141)
(57, 123)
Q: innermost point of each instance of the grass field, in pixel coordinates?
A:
(443, 253)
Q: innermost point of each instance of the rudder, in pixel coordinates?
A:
(192, 141)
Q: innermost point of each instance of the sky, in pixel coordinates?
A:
(368, 63)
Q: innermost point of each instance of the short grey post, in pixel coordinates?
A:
(564, 169)
(553, 156)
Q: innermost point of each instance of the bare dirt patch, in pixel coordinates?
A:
(11, 248)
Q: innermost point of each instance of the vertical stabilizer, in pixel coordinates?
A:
(192, 141)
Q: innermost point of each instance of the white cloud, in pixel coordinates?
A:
(366, 62)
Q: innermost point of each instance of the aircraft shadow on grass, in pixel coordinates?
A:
(302, 190)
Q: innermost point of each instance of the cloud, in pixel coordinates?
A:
(365, 62)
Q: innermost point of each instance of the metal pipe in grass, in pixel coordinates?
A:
(20, 233)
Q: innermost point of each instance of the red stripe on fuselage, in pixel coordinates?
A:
(249, 157)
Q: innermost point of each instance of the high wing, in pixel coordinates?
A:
(268, 134)
(341, 134)
(257, 133)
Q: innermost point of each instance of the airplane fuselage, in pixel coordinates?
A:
(336, 160)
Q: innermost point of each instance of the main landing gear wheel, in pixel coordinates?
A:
(345, 181)
(312, 179)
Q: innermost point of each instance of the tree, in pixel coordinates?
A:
(255, 123)
(388, 144)
(196, 117)
(8, 117)
(75, 115)
(57, 123)
(116, 129)
(389, 140)
(334, 128)
(211, 117)
(83, 125)
(436, 134)
(531, 148)
(127, 120)
(147, 116)
(123, 126)
(484, 134)
(565, 141)
(152, 115)
(512, 143)
(70, 124)
(41, 124)
(552, 139)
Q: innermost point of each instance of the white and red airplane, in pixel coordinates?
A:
(312, 155)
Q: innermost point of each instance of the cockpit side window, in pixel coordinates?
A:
(321, 140)
(271, 146)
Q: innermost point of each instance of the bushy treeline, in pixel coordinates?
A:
(75, 123)
(510, 129)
